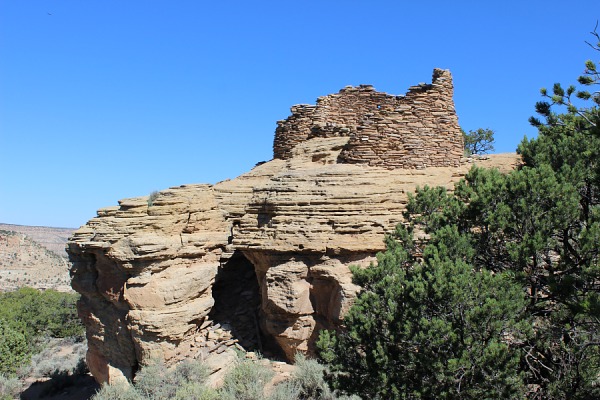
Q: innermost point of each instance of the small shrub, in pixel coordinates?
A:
(154, 381)
(47, 361)
(152, 197)
(157, 382)
(287, 390)
(246, 381)
(81, 368)
(63, 374)
(310, 378)
(44, 368)
(117, 392)
(307, 383)
(10, 387)
(191, 371)
(196, 391)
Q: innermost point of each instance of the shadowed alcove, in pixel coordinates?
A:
(237, 301)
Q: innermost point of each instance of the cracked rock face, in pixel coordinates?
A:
(259, 262)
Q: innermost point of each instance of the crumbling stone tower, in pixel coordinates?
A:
(416, 130)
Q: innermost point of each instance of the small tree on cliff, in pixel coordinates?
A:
(480, 141)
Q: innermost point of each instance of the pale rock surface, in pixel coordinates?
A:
(259, 262)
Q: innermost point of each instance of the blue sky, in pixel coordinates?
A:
(103, 100)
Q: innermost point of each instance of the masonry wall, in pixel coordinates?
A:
(417, 130)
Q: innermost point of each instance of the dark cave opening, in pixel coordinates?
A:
(237, 305)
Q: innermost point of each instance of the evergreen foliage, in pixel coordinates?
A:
(26, 316)
(502, 298)
(41, 313)
(587, 116)
(14, 350)
(480, 141)
(434, 328)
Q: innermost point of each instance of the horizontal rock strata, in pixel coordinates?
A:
(259, 262)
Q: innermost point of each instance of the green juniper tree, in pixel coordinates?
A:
(13, 348)
(430, 328)
(28, 317)
(480, 141)
(503, 299)
(565, 356)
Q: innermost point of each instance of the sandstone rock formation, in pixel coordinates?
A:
(261, 261)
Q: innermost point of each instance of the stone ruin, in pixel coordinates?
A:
(416, 130)
(261, 262)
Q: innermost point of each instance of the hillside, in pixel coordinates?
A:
(33, 256)
(54, 239)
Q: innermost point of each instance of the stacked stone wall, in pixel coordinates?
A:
(294, 130)
(417, 130)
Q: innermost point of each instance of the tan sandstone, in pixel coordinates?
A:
(261, 262)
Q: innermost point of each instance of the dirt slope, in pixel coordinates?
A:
(33, 256)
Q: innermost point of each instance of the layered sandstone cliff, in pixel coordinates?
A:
(261, 262)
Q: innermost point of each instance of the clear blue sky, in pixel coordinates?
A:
(102, 100)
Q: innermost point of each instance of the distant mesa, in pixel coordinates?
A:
(261, 262)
